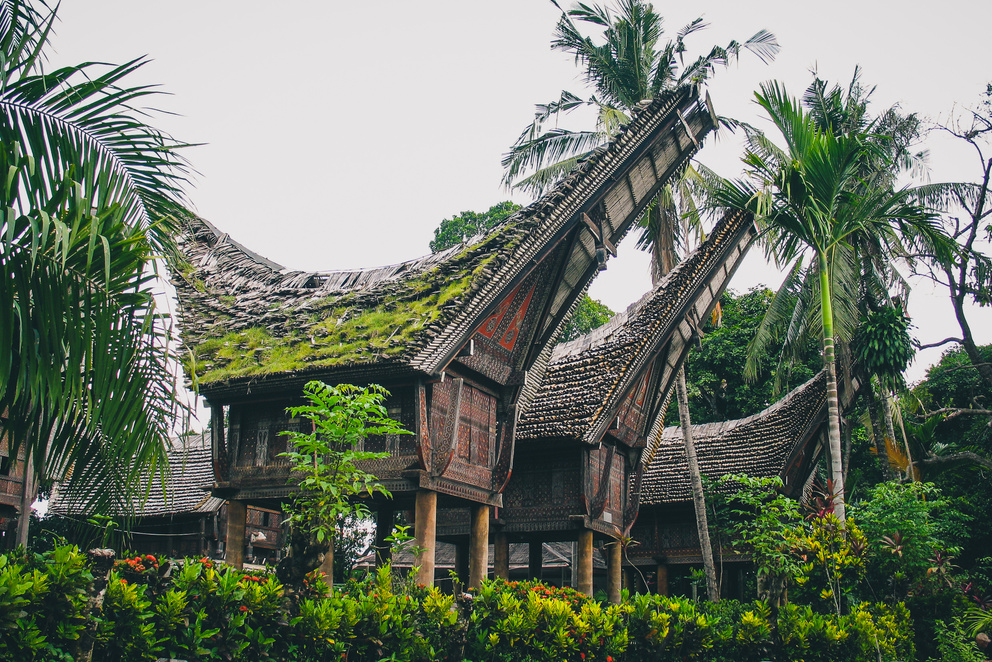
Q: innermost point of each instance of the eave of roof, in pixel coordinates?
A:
(588, 376)
(758, 446)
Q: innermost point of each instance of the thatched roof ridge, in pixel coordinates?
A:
(244, 316)
(759, 446)
(588, 375)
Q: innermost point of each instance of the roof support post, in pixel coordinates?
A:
(501, 555)
(234, 550)
(327, 565)
(662, 578)
(584, 562)
(478, 554)
(424, 528)
(535, 560)
(614, 572)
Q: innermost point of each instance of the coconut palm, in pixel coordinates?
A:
(819, 210)
(628, 66)
(86, 388)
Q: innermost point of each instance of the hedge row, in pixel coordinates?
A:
(53, 608)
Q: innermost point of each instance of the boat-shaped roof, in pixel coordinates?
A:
(244, 317)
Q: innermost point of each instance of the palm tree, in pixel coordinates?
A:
(867, 290)
(820, 207)
(86, 387)
(630, 65)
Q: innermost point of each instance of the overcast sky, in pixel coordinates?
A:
(338, 135)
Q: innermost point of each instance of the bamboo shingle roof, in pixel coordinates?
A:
(759, 446)
(181, 493)
(587, 377)
(243, 316)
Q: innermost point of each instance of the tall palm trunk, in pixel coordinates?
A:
(833, 403)
(879, 430)
(698, 498)
(664, 262)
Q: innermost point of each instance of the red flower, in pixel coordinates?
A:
(243, 608)
(609, 658)
(582, 655)
(150, 558)
(123, 581)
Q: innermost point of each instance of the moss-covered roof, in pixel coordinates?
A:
(261, 323)
(243, 316)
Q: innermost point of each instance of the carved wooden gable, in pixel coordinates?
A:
(633, 416)
(499, 346)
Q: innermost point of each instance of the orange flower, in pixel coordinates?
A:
(243, 608)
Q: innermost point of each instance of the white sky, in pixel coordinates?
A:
(338, 135)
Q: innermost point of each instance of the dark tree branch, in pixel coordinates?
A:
(938, 344)
(963, 456)
(954, 412)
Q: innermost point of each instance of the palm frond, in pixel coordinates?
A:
(551, 147)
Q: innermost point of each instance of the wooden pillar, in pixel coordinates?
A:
(461, 562)
(584, 564)
(234, 549)
(535, 560)
(478, 554)
(662, 578)
(501, 555)
(424, 528)
(384, 520)
(614, 569)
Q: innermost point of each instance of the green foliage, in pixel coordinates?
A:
(86, 202)
(882, 345)
(954, 643)
(910, 526)
(762, 523)
(325, 461)
(590, 314)
(204, 613)
(459, 229)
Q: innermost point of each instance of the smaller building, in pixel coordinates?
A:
(178, 517)
(11, 492)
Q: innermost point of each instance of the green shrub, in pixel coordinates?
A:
(201, 613)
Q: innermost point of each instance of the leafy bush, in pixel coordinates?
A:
(192, 610)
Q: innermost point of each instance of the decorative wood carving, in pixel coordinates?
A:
(598, 503)
(422, 431)
(504, 454)
(446, 397)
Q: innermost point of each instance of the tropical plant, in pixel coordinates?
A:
(88, 195)
(968, 278)
(325, 465)
(627, 66)
(814, 203)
